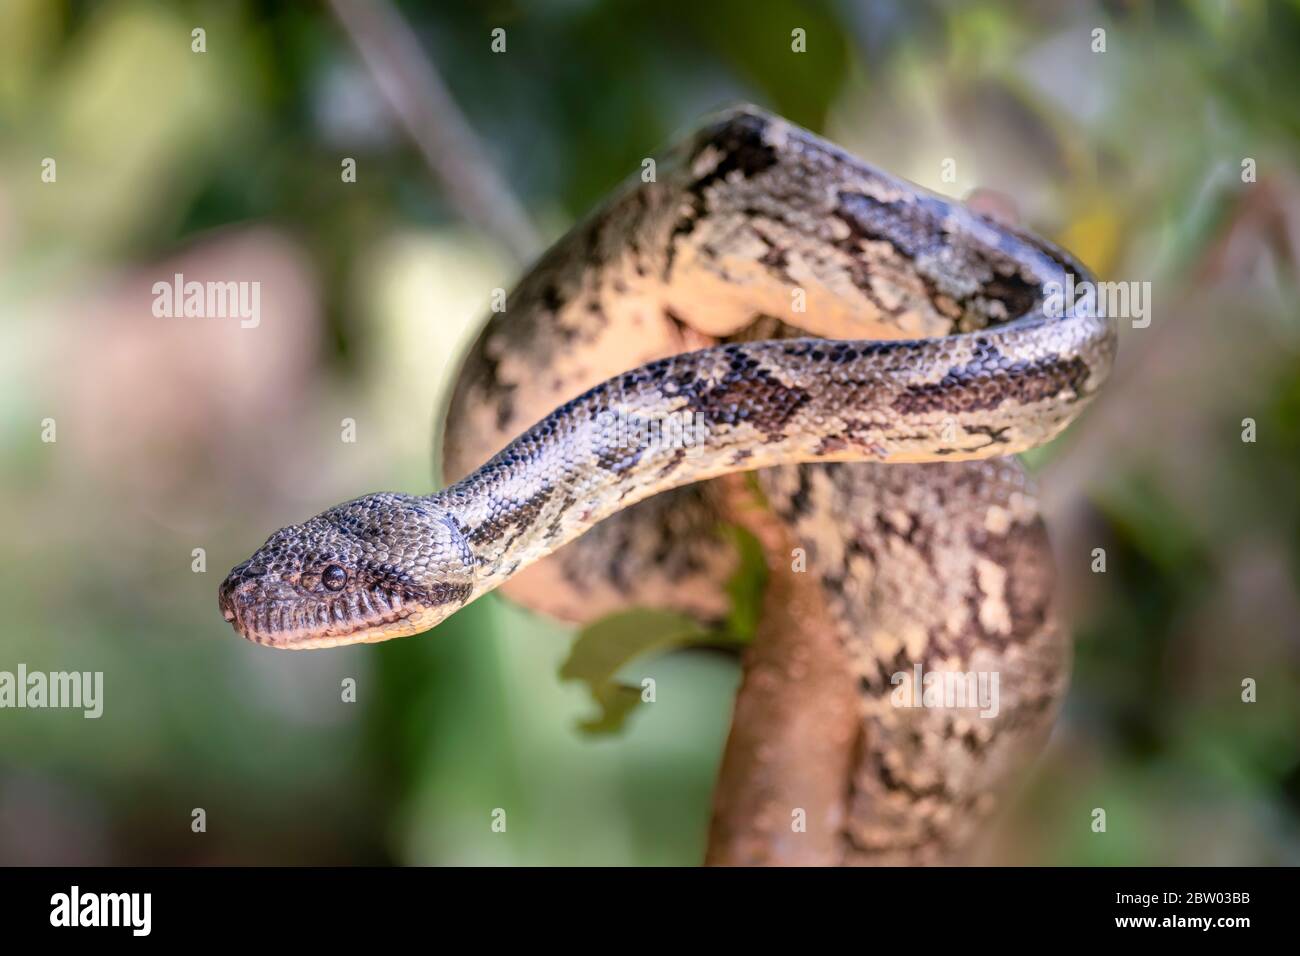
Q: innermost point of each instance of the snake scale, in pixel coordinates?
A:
(768, 303)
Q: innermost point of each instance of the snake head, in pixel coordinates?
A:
(381, 566)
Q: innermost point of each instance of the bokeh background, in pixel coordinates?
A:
(176, 434)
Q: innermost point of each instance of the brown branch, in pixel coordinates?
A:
(794, 730)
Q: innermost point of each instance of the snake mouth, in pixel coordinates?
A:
(278, 614)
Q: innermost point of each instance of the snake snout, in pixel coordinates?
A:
(236, 591)
(380, 566)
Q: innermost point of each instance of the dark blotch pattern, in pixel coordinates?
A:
(990, 379)
(740, 140)
(746, 392)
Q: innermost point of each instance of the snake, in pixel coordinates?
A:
(755, 300)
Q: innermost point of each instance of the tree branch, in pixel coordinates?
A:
(420, 100)
(795, 726)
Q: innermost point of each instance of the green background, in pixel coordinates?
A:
(183, 434)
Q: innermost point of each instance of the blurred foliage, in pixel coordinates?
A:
(609, 645)
(171, 441)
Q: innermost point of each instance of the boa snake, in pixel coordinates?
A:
(765, 301)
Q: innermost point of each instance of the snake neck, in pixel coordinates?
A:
(744, 406)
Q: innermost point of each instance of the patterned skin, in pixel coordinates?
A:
(767, 302)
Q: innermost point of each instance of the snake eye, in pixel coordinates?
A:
(333, 578)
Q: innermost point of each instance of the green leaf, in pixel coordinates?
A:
(616, 701)
(605, 647)
(746, 586)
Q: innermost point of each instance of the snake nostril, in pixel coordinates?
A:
(235, 593)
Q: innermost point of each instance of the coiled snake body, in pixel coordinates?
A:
(768, 302)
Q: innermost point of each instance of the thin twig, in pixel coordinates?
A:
(415, 92)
